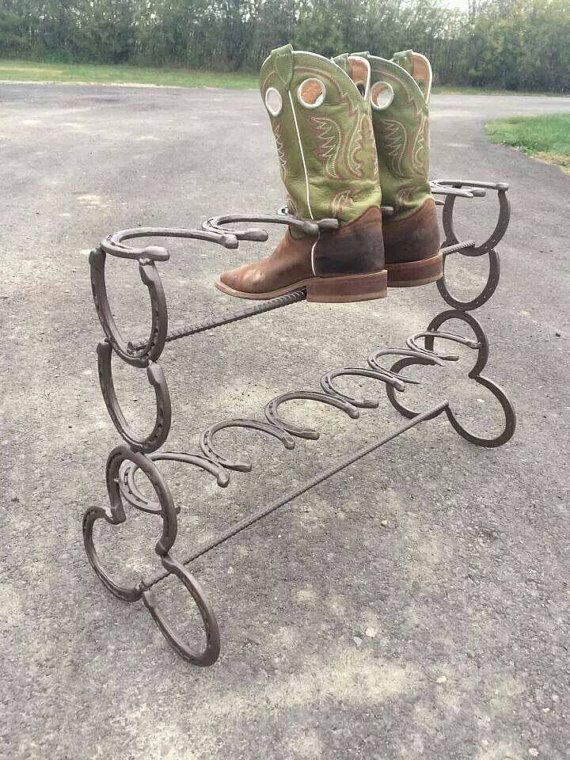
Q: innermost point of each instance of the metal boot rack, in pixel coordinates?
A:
(144, 453)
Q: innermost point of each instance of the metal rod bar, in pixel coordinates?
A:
(211, 324)
(458, 247)
(324, 475)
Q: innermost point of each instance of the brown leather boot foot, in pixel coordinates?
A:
(340, 266)
(411, 247)
(287, 269)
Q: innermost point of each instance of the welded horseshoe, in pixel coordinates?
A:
(211, 651)
(488, 289)
(155, 376)
(271, 411)
(502, 221)
(407, 361)
(365, 403)
(412, 342)
(115, 515)
(424, 358)
(115, 243)
(132, 494)
(241, 465)
(150, 277)
(480, 343)
(306, 226)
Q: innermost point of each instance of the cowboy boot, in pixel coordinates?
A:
(323, 130)
(399, 94)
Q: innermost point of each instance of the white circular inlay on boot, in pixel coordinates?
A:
(273, 101)
(311, 92)
(381, 95)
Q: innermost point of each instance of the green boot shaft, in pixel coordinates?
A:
(399, 94)
(323, 132)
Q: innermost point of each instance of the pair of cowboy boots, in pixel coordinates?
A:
(351, 133)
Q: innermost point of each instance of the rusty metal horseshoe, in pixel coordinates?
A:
(132, 494)
(323, 398)
(240, 465)
(211, 651)
(155, 376)
(150, 277)
(365, 403)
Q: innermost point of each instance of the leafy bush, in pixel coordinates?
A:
(513, 44)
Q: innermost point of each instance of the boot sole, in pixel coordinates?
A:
(410, 274)
(355, 287)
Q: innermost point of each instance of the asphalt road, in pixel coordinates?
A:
(414, 606)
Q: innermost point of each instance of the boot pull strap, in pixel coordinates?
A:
(342, 61)
(418, 67)
(422, 73)
(282, 59)
(360, 73)
(357, 67)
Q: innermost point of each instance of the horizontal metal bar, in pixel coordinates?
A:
(321, 477)
(458, 247)
(211, 324)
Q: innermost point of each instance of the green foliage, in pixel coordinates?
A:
(547, 137)
(512, 44)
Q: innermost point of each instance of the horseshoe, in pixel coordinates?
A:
(115, 515)
(211, 651)
(365, 403)
(241, 465)
(155, 376)
(273, 417)
(131, 493)
(150, 277)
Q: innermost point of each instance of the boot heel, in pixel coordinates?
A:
(413, 273)
(354, 287)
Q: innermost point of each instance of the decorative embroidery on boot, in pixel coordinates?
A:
(341, 203)
(328, 138)
(420, 152)
(394, 140)
(278, 133)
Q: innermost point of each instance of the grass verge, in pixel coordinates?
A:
(36, 71)
(40, 71)
(544, 137)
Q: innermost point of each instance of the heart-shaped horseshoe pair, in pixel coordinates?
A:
(115, 515)
(481, 345)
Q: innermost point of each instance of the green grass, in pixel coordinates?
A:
(39, 71)
(453, 89)
(35, 71)
(544, 137)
